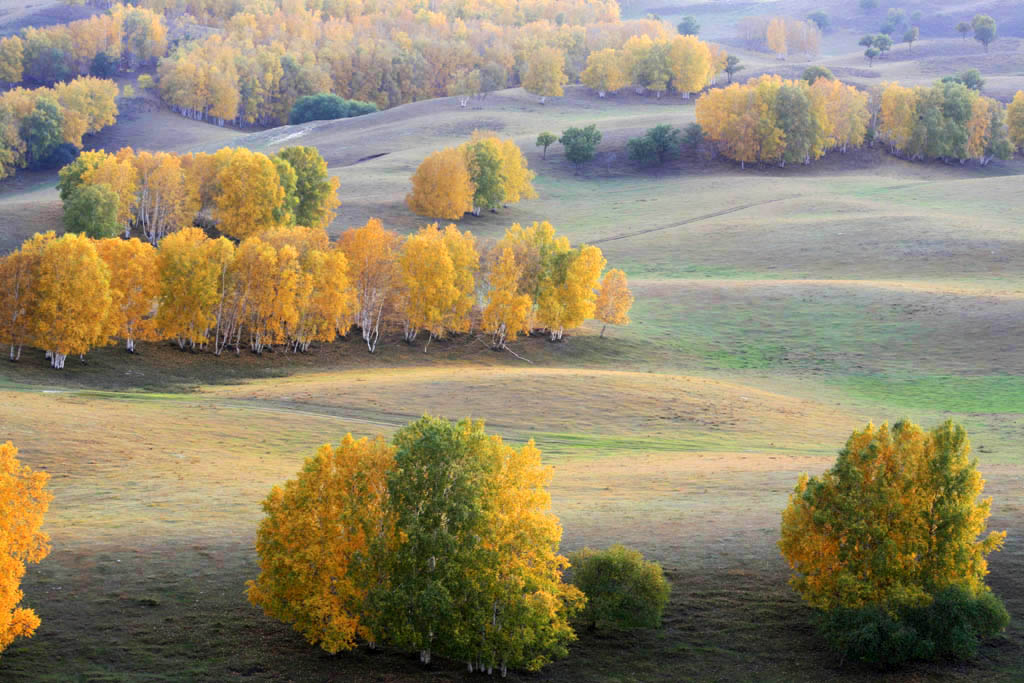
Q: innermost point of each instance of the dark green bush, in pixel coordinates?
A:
(951, 627)
(623, 590)
(325, 106)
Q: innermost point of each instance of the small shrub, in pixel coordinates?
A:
(623, 590)
(950, 627)
(145, 82)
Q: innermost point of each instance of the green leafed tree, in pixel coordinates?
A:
(483, 160)
(545, 140)
(984, 29)
(41, 131)
(688, 26)
(580, 144)
(657, 145)
(315, 192)
(92, 211)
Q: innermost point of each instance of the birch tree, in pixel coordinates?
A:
(371, 252)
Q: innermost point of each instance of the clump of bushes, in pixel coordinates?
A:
(623, 590)
(325, 107)
(950, 627)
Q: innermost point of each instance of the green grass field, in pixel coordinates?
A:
(776, 311)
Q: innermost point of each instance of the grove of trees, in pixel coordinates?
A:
(440, 542)
(484, 173)
(124, 36)
(771, 120)
(289, 286)
(682, 62)
(24, 500)
(889, 546)
(239, 191)
(781, 35)
(36, 125)
(945, 121)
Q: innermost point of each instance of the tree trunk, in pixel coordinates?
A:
(602, 330)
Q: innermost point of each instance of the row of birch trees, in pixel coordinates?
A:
(290, 287)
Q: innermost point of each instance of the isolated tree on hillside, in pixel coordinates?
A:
(545, 73)
(466, 85)
(733, 66)
(24, 500)
(441, 186)
(910, 36)
(545, 140)
(688, 26)
(580, 144)
(820, 19)
(871, 53)
(984, 29)
(963, 28)
(892, 530)
(613, 300)
(896, 519)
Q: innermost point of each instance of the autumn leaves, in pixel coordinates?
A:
(440, 542)
(772, 120)
(244, 192)
(484, 173)
(290, 287)
(23, 502)
(685, 63)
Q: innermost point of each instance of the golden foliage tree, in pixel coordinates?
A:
(507, 313)
(164, 203)
(545, 73)
(437, 274)
(1015, 120)
(72, 286)
(23, 503)
(613, 299)
(19, 296)
(134, 288)
(604, 72)
(371, 252)
(122, 177)
(441, 187)
(191, 268)
(567, 295)
(250, 191)
(895, 521)
(313, 544)
(690, 63)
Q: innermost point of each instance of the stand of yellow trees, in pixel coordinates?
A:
(684, 63)
(33, 123)
(484, 173)
(290, 287)
(771, 120)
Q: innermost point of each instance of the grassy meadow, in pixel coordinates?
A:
(776, 310)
